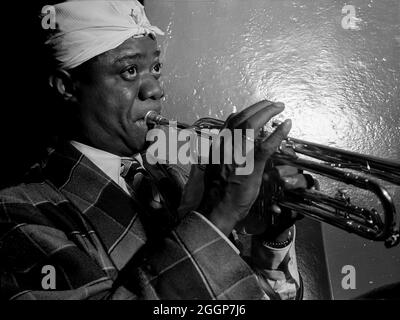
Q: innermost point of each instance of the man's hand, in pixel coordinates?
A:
(228, 197)
(266, 218)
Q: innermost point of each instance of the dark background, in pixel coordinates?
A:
(30, 117)
(27, 119)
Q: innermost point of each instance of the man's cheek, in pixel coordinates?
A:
(130, 93)
(137, 132)
(137, 140)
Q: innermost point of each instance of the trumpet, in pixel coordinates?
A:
(348, 167)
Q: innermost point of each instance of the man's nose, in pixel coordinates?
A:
(150, 88)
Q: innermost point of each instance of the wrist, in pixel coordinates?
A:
(221, 217)
(280, 240)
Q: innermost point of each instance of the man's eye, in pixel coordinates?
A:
(130, 73)
(157, 68)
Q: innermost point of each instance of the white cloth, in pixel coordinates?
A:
(88, 28)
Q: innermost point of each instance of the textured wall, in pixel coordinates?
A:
(340, 86)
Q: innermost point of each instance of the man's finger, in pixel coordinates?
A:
(240, 119)
(303, 181)
(287, 150)
(261, 117)
(297, 181)
(271, 143)
(286, 170)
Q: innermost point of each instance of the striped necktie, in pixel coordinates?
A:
(140, 184)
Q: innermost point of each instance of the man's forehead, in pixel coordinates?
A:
(142, 47)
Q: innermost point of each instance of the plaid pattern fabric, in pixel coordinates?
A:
(104, 245)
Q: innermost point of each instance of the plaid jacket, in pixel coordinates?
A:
(103, 245)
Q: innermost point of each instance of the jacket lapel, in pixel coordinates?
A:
(114, 215)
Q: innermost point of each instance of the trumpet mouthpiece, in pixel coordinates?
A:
(152, 117)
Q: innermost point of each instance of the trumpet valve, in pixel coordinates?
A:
(343, 194)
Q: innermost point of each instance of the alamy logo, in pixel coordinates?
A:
(349, 21)
(212, 146)
(48, 17)
(349, 280)
(49, 279)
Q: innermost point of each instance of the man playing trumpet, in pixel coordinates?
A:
(107, 222)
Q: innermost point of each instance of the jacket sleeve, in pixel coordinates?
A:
(40, 261)
(276, 270)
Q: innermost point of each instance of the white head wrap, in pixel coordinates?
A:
(85, 29)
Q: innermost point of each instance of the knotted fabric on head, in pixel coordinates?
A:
(88, 28)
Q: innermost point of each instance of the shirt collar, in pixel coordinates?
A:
(109, 163)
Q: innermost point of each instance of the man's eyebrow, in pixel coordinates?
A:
(135, 56)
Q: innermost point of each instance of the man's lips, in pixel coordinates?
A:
(141, 122)
(150, 124)
(143, 125)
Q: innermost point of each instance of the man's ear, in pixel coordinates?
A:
(63, 83)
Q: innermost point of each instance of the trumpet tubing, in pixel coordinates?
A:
(336, 211)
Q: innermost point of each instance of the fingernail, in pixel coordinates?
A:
(280, 104)
(276, 209)
(288, 123)
(290, 180)
(286, 180)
